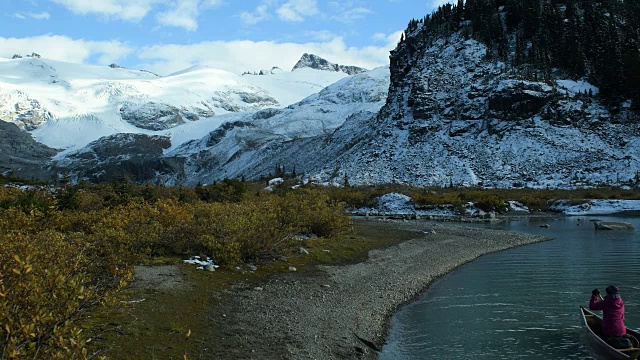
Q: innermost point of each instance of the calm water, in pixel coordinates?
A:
(522, 303)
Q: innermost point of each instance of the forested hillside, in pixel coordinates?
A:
(596, 39)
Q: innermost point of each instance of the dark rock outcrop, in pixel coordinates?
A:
(137, 157)
(21, 155)
(156, 116)
(316, 62)
(612, 225)
(21, 109)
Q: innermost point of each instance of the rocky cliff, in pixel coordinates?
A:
(21, 155)
(136, 157)
(456, 116)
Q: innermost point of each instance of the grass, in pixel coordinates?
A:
(156, 327)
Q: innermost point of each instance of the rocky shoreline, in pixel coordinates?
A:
(320, 312)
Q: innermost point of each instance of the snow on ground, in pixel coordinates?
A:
(196, 260)
(517, 206)
(577, 86)
(396, 203)
(276, 181)
(289, 87)
(400, 204)
(70, 105)
(195, 130)
(597, 207)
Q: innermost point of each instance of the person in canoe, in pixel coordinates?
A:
(612, 306)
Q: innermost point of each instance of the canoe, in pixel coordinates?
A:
(593, 323)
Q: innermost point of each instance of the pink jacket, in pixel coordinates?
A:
(612, 313)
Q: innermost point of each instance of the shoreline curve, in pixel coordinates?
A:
(316, 314)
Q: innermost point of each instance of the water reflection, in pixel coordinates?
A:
(522, 303)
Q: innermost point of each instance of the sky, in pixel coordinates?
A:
(165, 36)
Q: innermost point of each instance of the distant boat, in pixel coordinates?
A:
(592, 323)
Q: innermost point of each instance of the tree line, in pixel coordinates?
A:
(596, 39)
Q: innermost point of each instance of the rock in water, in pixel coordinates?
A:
(612, 225)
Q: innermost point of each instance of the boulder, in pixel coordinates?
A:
(209, 267)
(612, 225)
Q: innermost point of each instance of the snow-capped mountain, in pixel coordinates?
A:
(240, 145)
(310, 61)
(453, 116)
(450, 110)
(456, 117)
(70, 105)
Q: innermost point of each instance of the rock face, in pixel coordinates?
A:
(19, 108)
(155, 116)
(249, 100)
(611, 225)
(455, 117)
(136, 157)
(316, 62)
(302, 136)
(21, 155)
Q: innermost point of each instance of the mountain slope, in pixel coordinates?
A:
(21, 155)
(456, 115)
(244, 143)
(70, 105)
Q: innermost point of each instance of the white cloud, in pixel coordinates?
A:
(178, 13)
(234, 56)
(321, 35)
(240, 56)
(297, 10)
(63, 48)
(392, 38)
(261, 13)
(184, 13)
(119, 9)
(352, 15)
(37, 16)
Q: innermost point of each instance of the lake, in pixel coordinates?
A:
(522, 303)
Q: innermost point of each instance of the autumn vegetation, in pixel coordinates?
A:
(486, 199)
(67, 249)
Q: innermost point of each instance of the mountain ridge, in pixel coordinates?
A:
(316, 62)
(69, 105)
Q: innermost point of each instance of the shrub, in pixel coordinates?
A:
(46, 280)
(59, 256)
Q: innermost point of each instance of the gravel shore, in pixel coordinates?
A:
(314, 314)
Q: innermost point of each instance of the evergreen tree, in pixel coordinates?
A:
(597, 39)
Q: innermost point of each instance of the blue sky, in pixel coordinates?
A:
(235, 35)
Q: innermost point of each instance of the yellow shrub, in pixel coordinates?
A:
(47, 279)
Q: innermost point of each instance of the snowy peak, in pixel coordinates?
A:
(67, 105)
(317, 63)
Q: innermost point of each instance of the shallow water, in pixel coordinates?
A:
(522, 303)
